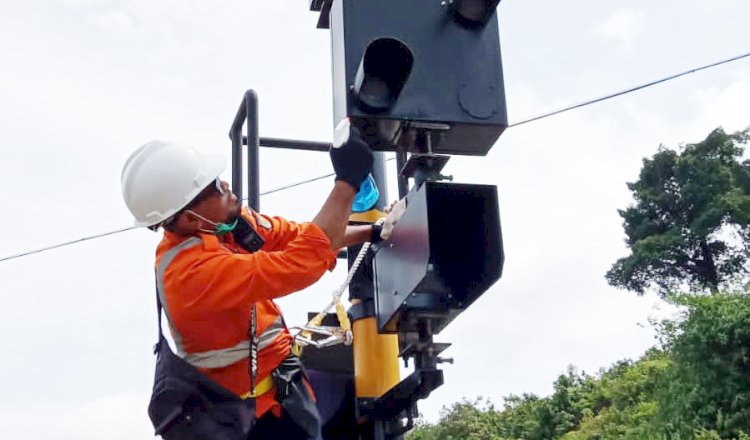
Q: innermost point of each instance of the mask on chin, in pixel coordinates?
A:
(244, 234)
(220, 229)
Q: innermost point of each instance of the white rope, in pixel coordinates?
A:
(337, 293)
(352, 271)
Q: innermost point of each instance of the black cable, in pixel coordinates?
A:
(626, 91)
(67, 243)
(292, 185)
(117, 231)
(515, 124)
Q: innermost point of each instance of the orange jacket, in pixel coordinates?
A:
(207, 286)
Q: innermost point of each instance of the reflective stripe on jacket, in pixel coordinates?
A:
(207, 287)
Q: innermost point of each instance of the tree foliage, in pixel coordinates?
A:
(708, 386)
(697, 386)
(690, 221)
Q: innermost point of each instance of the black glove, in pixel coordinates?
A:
(375, 237)
(352, 161)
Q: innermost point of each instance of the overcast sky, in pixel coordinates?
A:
(84, 82)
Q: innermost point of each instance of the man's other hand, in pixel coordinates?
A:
(395, 211)
(350, 155)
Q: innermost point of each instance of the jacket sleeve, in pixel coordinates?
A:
(229, 280)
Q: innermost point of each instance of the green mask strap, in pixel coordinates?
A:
(224, 228)
(220, 229)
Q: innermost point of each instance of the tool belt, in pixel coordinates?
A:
(187, 405)
(295, 396)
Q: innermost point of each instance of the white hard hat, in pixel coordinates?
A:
(161, 178)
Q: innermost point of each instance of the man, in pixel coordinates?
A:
(217, 261)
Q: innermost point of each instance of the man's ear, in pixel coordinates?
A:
(188, 223)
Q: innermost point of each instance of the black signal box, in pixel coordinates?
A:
(444, 253)
(405, 67)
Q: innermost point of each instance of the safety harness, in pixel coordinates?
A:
(332, 335)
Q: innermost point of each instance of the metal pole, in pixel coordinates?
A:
(379, 175)
(375, 355)
(248, 112)
(379, 431)
(235, 134)
(403, 182)
(253, 145)
(292, 144)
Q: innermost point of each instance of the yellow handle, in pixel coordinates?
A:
(343, 317)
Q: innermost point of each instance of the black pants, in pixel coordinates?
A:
(269, 427)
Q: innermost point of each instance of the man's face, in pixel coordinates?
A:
(216, 203)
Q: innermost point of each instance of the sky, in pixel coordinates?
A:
(85, 82)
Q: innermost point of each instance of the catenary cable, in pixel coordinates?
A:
(129, 228)
(515, 124)
(626, 91)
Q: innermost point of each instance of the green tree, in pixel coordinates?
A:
(708, 385)
(626, 406)
(689, 223)
(470, 420)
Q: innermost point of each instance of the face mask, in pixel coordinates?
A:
(219, 228)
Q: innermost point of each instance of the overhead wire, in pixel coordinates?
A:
(117, 231)
(626, 91)
(515, 124)
(129, 228)
(67, 243)
(302, 182)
